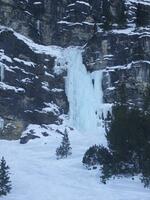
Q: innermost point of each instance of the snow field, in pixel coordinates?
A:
(36, 174)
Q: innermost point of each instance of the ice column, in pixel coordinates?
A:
(84, 91)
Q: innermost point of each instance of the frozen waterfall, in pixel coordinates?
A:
(84, 91)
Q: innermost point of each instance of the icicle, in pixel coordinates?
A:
(2, 69)
(1, 123)
(38, 25)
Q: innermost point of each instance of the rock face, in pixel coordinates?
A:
(122, 50)
(63, 22)
(30, 91)
(116, 38)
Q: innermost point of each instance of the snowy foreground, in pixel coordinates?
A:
(36, 174)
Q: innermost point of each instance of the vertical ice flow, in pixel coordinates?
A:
(84, 91)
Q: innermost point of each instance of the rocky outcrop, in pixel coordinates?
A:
(30, 91)
(128, 84)
(63, 22)
(47, 21)
(123, 54)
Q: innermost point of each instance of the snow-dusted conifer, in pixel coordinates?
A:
(65, 149)
(5, 183)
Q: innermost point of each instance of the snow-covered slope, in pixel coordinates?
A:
(37, 174)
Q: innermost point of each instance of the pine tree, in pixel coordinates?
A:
(5, 183)
(64, 150)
